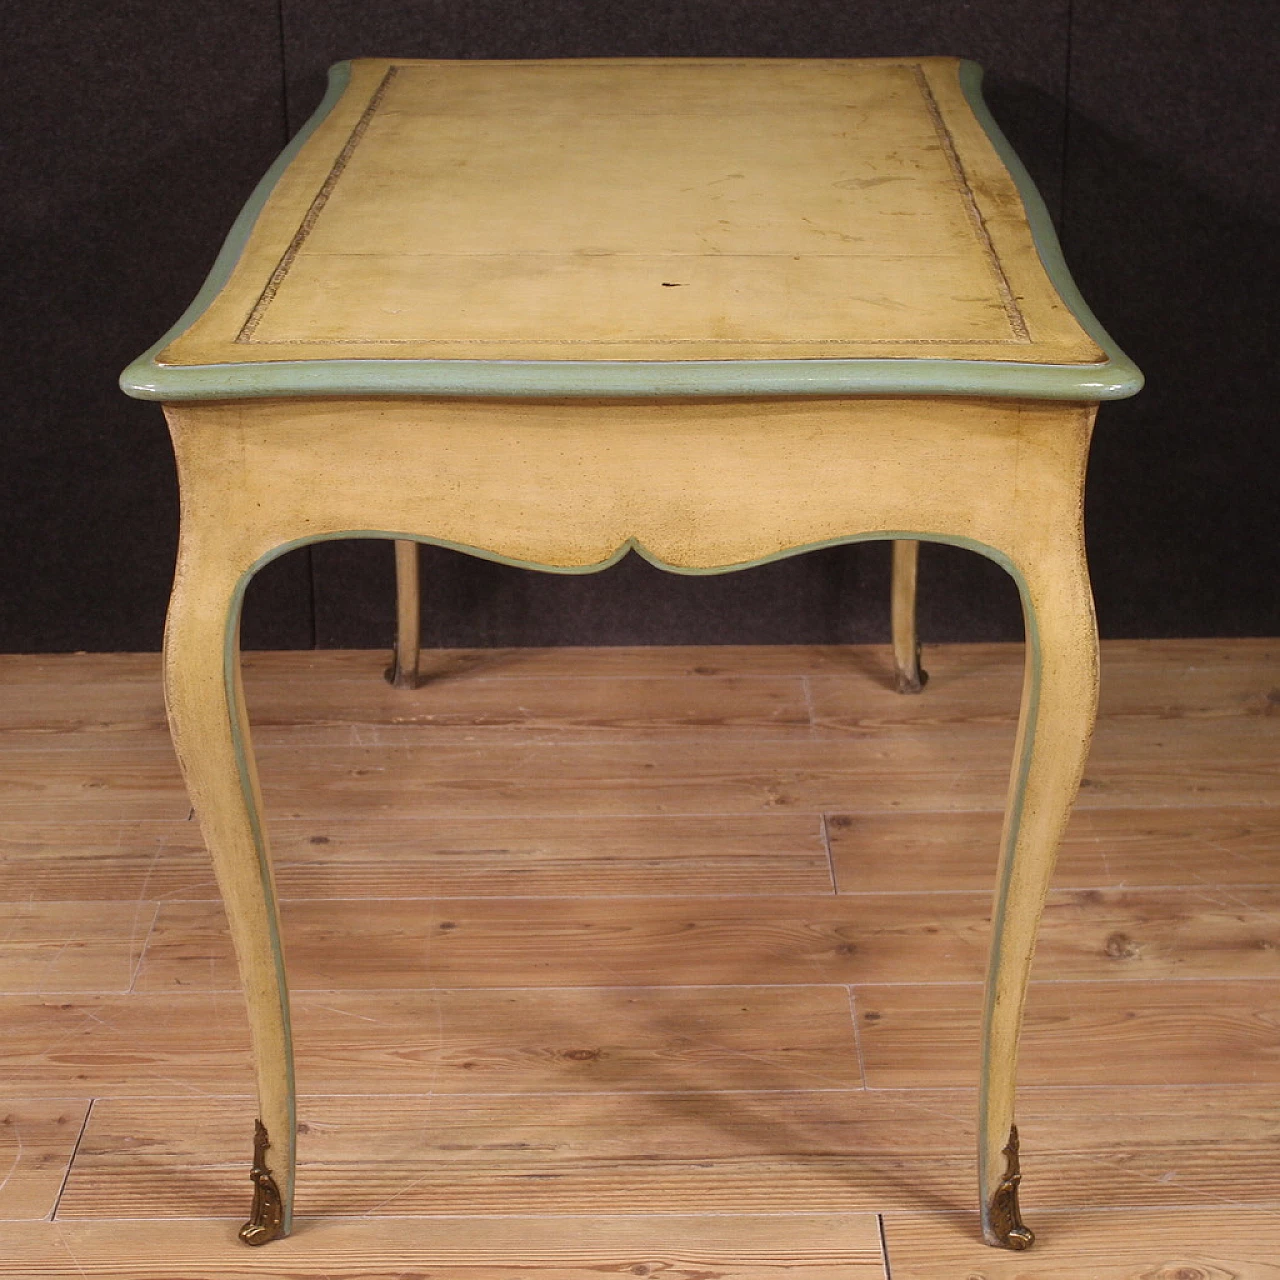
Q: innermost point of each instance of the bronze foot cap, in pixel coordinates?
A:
(266, 1217)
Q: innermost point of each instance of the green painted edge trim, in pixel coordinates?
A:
(1048, 246)
(139, 376)
(1115, 379)
(230, 661)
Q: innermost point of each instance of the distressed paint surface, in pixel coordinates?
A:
(658, 226)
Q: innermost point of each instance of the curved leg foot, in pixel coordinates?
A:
(211, 736)
(266, 1217)
(908, 675)
(1003, 1214)
(1059, 701)
(403, 672)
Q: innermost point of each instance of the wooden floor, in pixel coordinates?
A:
(641, 961)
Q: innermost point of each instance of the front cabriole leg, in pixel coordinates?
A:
(1059, 702)
(217, 553)
(211, 736)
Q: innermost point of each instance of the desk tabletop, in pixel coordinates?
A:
(625, 226)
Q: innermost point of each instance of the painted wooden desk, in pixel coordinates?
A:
(713, 311)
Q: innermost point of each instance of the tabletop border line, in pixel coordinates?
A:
(311, 217)
(1013, 313)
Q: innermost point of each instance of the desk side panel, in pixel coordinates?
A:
(570, 487)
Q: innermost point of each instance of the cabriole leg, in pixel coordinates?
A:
(1059, 702)
(211, 736)
(902, 599)
(403, 672)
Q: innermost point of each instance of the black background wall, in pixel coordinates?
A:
(136, 128)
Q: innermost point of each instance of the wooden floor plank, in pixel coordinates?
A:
(1224, 1241)
(1182, 661)
(108, 862)
(1232, 762)
(836, 1246)
(1104, 849)
(910, 1037)
(1091, 934)
(769, 854)
(638, 1039)
(37, 1139)
(1162, 761)
(757, 855)
(319, 780)
(1142, 681)
(589, 708)
(646, 1154)
(1078, 1033)
(58, 673)
(72, 946)
(745, 855)
(585, 942)
(88, 785)
(900, 1151)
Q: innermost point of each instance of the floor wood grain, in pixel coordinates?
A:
(1142, 934)
(644, 960)
(1104, 848)
(72, 946)
(1223, 1242)
(38, 1137)
(143, 860)
(558, 1040)
(926, 1036)
(843, 1246)
(773, 1151)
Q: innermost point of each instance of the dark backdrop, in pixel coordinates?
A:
(136, 128)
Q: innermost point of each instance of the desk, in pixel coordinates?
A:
(713, 311)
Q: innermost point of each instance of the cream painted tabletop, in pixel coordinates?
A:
(715, 311)
(597, 226)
